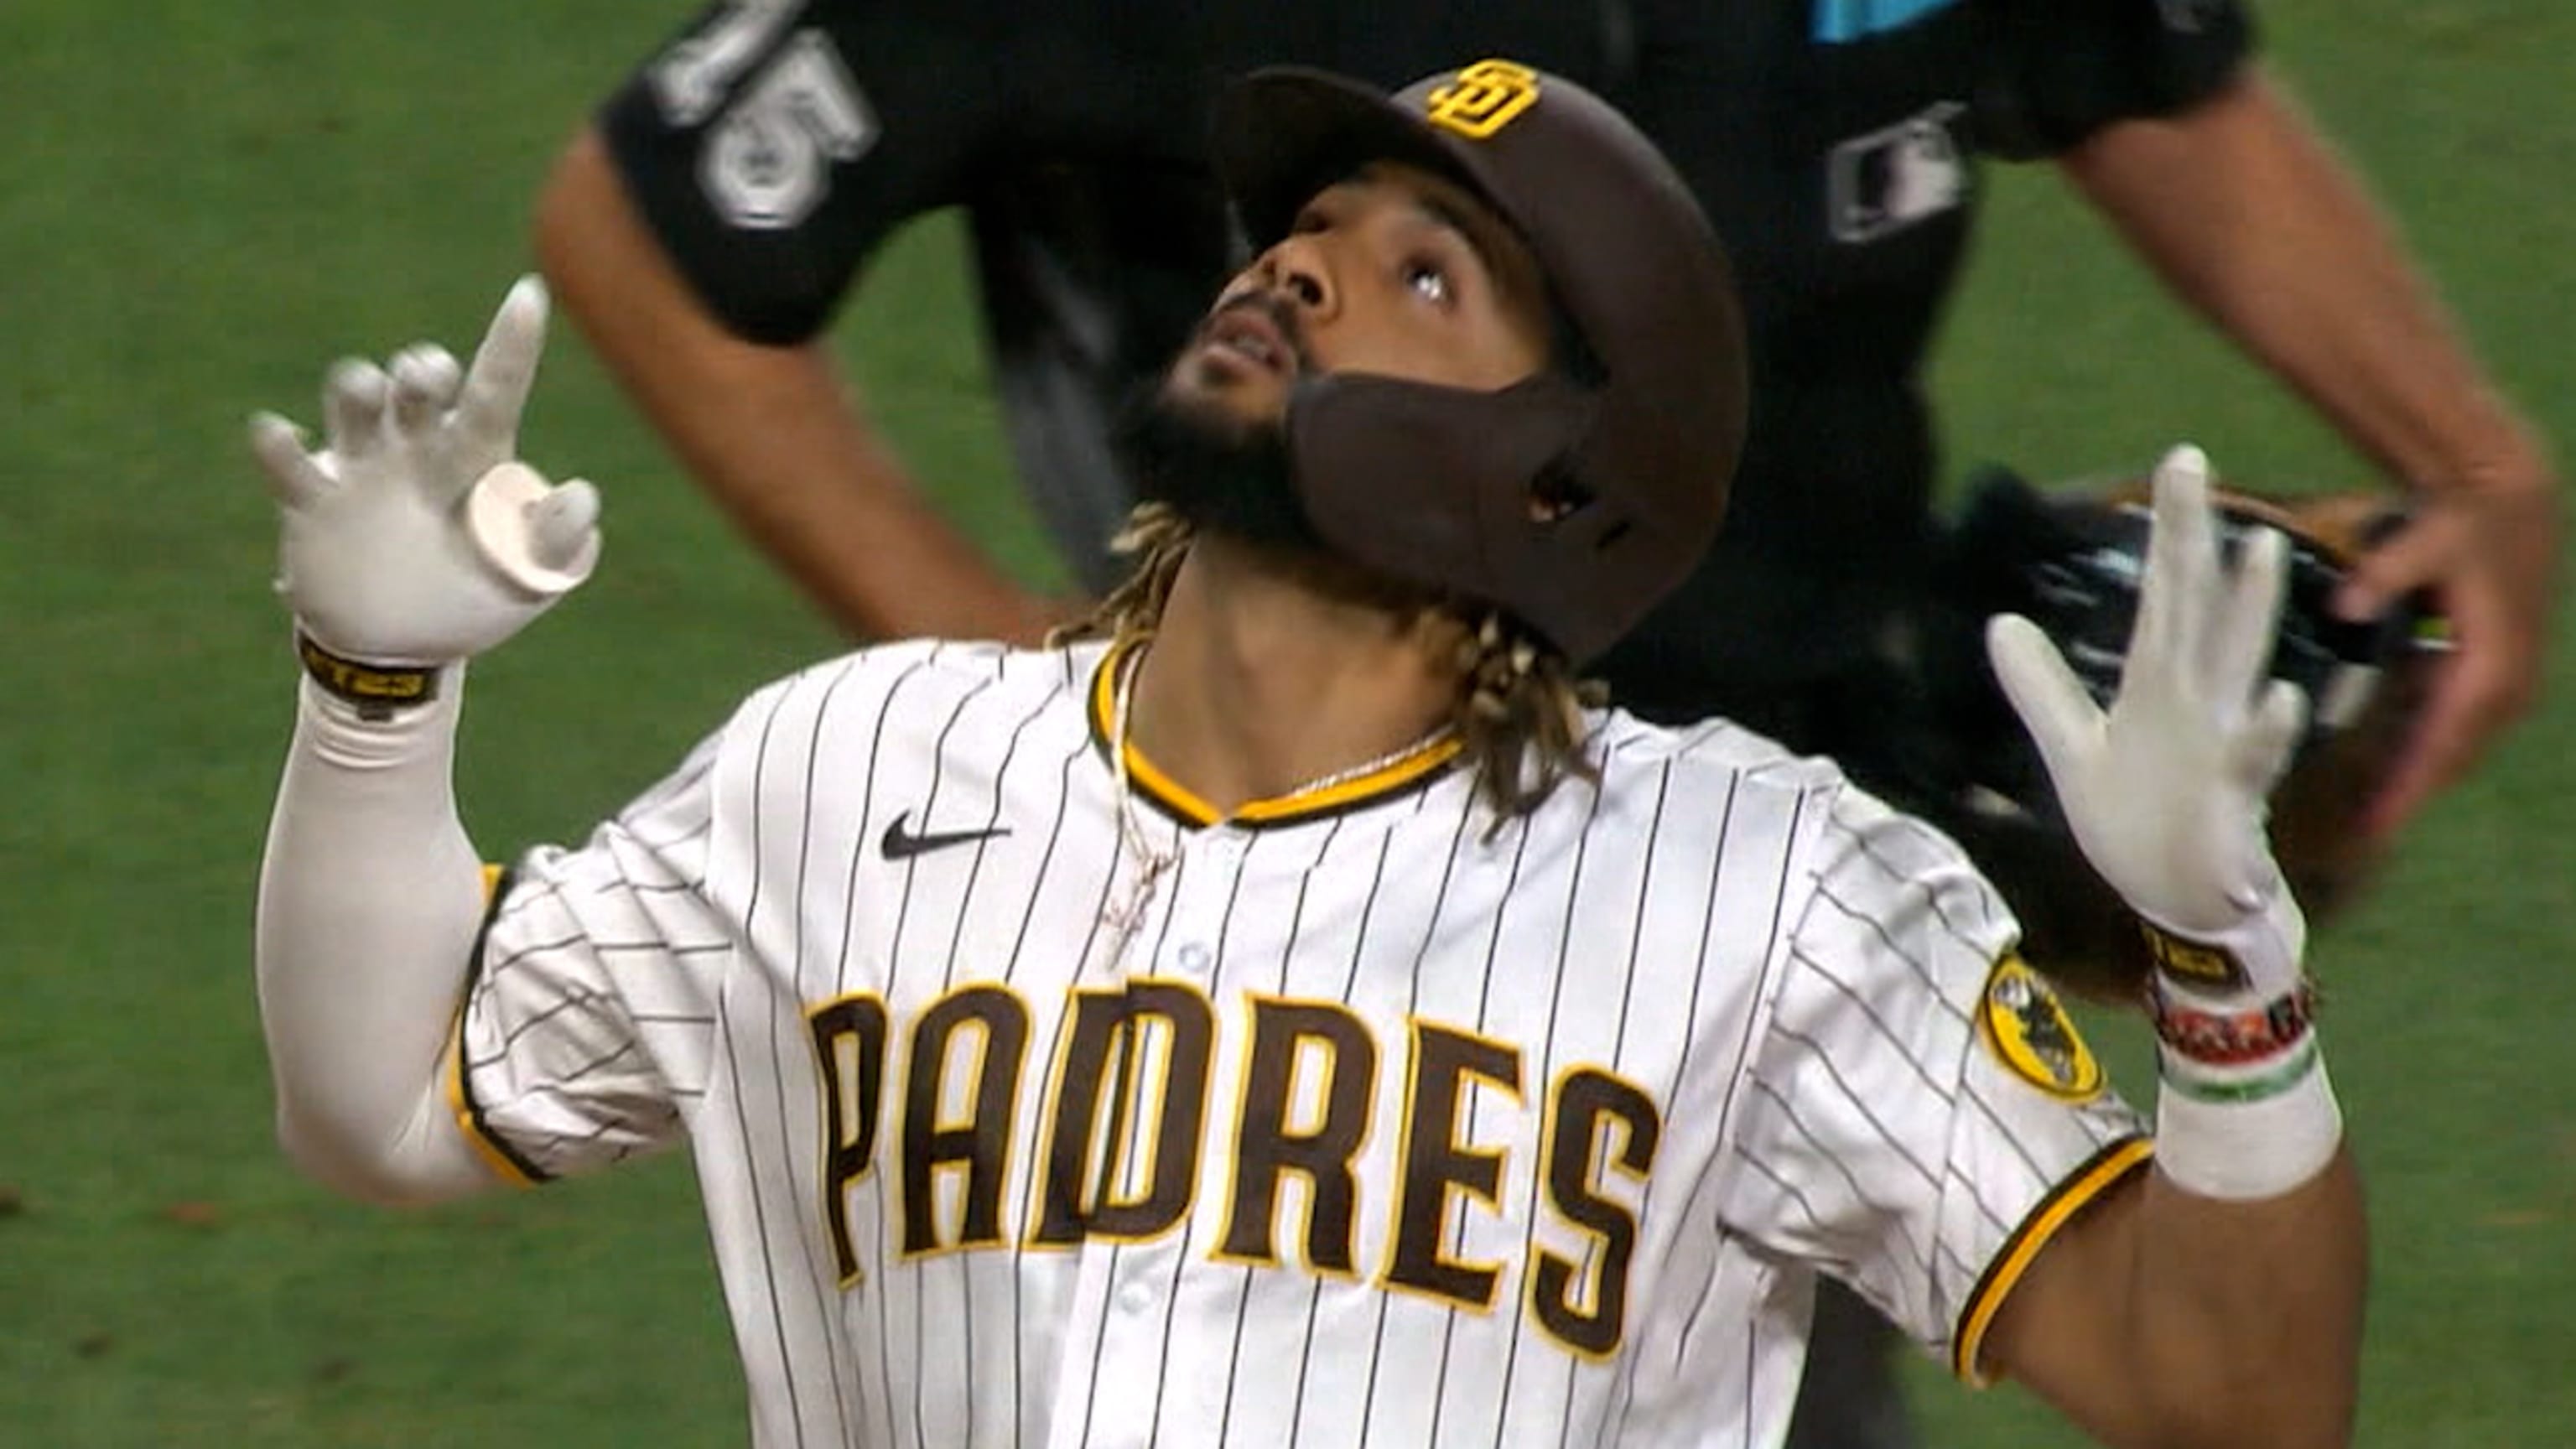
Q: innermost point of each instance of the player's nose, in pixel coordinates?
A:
(1296, 269)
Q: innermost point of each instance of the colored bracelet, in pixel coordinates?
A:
(2240, 1091)
(2233, 1038)
(378, 690)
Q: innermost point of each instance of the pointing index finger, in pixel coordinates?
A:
(505, 366)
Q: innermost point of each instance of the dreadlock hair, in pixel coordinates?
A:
(1159, 538)
(1519, 716)
(1519, 708)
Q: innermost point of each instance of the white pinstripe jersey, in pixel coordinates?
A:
(1387, 1129)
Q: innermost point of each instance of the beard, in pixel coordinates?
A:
(1224, 476)
(1234, 480)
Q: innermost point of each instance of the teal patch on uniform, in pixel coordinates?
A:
(1840, 22)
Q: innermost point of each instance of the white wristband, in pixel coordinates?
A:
(2249, 1149)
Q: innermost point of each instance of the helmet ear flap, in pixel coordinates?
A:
(1460, 491)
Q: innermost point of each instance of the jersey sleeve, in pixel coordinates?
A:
(1920, 1114)
(772, 145)
(588, 1021)
(2058, 72)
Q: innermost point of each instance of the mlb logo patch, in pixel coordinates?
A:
(1891, 178)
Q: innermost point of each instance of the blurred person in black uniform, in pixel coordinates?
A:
(706, 225)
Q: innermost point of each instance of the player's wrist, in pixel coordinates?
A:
(364, 713)
(2253, 959)
(2281, 1130)
(2244, 1109)
(367, 685)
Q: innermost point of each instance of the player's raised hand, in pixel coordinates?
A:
(2165, 790)
(414, 535)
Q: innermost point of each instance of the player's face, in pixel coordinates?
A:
(1393, 272)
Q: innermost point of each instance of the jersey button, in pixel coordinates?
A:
(1136, 1297)
(1195, 958)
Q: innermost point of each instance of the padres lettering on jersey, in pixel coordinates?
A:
(1385, 1128)
(1307, 1087)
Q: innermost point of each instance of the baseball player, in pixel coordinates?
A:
(713, 215)
(715, 212)
(1289, 1012)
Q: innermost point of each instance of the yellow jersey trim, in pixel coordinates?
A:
(469, 1117)
(1168, 794)
(504, 1160)
(2078, 1191)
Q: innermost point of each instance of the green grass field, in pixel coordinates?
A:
(202, 204)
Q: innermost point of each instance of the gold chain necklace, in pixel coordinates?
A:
(1152, 865)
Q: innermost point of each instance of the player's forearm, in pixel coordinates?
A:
(2248, 1314)
(2248, 213)
(2167, 1319)
(370, 897)
(777, 440)
(772, 433)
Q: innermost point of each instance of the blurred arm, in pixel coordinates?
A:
(773, 433)
(370, 897)
(2248, 214)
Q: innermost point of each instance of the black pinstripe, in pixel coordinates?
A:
(1752, 1373)
(1824, 1153)
(1109, 1297)
(733, 1069)
(1788, 1189)
(1046, 1071)
(1619, 1034)
(1181, 1257)
(1752, 1019)
(850, 896)
(1922, 969)
(1413, 1002)
(827, 1309)
(948, 977)
(956, 940)
(1350, 987)
(1484, 1008)
(1287, 953)
(1544, 1074)
(580, 996)
(1707, 915)
(1869, 1013)
(1860, 1103)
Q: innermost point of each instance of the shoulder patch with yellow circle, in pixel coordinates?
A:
(2029, 1030)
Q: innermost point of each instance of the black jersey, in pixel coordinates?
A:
(1833, 142)
(774, 144)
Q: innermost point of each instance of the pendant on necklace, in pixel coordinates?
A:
(1127, 917)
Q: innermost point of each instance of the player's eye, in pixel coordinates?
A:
(1429, 280)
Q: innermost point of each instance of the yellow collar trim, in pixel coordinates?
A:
(1396, 775)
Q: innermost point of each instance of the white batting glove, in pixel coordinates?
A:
(2166, 790)
(414, 537)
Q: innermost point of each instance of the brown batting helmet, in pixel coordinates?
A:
(1576, 499)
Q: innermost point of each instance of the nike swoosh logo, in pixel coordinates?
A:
(901, 844)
